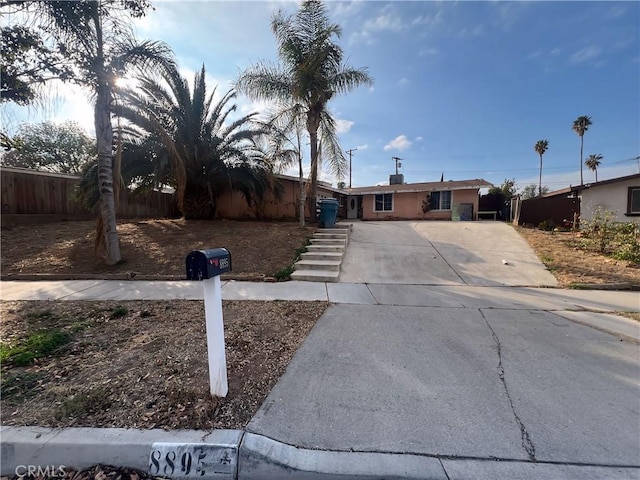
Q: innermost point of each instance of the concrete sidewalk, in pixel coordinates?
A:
(355, 293)
(405, 381)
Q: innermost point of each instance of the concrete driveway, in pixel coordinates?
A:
(441, 253)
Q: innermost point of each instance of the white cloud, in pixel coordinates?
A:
(371, 89)
(343, 126)
(586, 54)
(427, 51)
(403, 81)
(401, 142)
(472, 32)
(419, 139)
(616, 12)
(555, 51)
(362, 147)
(344, 10)
(429, 19)
(387, 20)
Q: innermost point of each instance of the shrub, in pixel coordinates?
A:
(546, 225)
(599, 232)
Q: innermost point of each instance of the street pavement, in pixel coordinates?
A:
(435, 368)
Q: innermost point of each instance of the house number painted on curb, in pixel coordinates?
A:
(191, 460)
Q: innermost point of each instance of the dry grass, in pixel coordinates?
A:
(150, 247)
(143, 364)
(570, 264)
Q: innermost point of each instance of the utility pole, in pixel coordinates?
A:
(350, 152)
(398, 164)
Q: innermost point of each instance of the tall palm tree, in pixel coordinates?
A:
(197, 150)
(310, 73)
(97, 40)
(541, 147)
(581, 125)
(593, 162)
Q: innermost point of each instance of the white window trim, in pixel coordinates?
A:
(440, 202)
(383, 211)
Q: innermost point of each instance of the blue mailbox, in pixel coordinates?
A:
(205, 264)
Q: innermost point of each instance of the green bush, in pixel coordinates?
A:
(546, 225)
(599, 232)
(619, 240)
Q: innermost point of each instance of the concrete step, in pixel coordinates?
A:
(341, 236)
(328, 241)
(315, 248)
(342, 226)
(315, 275)
(335, 256)
(317, 265)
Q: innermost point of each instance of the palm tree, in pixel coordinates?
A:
(593, 162)
(97, 40)
(310, 74)
(581, 125)
(541, 147)
(284, 147)
(197, 150)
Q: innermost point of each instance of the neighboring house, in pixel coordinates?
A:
(620, 195)
(232, 205)
(452, 200)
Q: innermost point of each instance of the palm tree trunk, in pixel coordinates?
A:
(540, 178)
(301, 179)
(108, 246)
(312, 126)
(581, 145)
(596, 170)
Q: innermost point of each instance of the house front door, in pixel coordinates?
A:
(352, 207)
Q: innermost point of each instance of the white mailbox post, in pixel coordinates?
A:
(207, 266)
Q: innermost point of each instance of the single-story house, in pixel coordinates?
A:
(619, 195)
(451, 200)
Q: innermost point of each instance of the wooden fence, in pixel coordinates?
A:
(34, 197)
(557, 210)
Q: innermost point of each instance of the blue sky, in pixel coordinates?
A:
(460, 88)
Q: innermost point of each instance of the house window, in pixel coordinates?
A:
(441, 200)
(633, 203)
(383, 202)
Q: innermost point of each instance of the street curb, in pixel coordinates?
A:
(256, 457)
(80, 448)
(262, 458)
(131, 276)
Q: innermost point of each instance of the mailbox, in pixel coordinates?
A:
(205, 264)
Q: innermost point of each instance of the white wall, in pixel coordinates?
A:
(613, 196)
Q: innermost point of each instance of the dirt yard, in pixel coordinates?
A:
(571, 265)
(151, 248)
(142, 364)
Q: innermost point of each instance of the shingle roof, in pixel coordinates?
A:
(421, 187)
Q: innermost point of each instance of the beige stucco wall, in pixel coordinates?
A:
(408, 206)
(613, 196)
